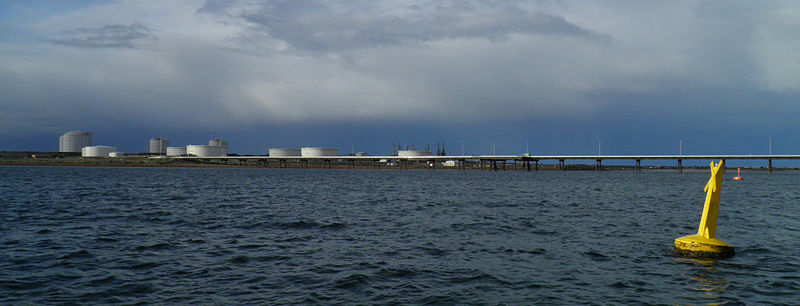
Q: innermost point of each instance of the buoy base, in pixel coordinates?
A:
(737, 178)
(696, 246)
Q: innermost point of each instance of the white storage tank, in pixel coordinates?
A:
(158, 145)
(74, 141)
(280, 152)
(218, 142)
(116, 154)
(206, 151)
(314, 152)
(414, 153)
(97, 151)
(176, 151)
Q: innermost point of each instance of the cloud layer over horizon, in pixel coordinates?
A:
(217, 64)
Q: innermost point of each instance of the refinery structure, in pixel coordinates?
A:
(217, 149)
(216, 152)
(82, 142)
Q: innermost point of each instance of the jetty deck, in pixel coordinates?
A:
(493, 160)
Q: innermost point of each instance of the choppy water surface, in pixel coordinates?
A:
(120, 235)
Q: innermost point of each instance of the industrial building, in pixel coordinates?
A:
(158, 145)
(206, 151)
(282, 152)
(317, 152)
(74, 141)
(176, 151)
(97, 151)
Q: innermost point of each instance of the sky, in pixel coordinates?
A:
(505, 77)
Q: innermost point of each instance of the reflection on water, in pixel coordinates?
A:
(706, 278)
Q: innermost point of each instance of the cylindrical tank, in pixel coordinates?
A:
(413, 153)
(74, 141)
(314, 152)
(280, 152)
(176, 151)
(206, 151)
(97, 151)
(218, 142)
(158, 145)
(116, 154)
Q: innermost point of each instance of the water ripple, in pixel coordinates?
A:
(299, 236)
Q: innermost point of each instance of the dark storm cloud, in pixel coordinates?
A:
(320, 26)
(132, 36)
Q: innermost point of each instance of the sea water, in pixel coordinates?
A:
(284, 236)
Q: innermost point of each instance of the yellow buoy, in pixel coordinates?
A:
(704, 244)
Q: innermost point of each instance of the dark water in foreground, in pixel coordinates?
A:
(220, 236)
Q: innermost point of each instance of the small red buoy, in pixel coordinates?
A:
(737, 177)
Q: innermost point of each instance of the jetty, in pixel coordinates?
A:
(528, 162)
